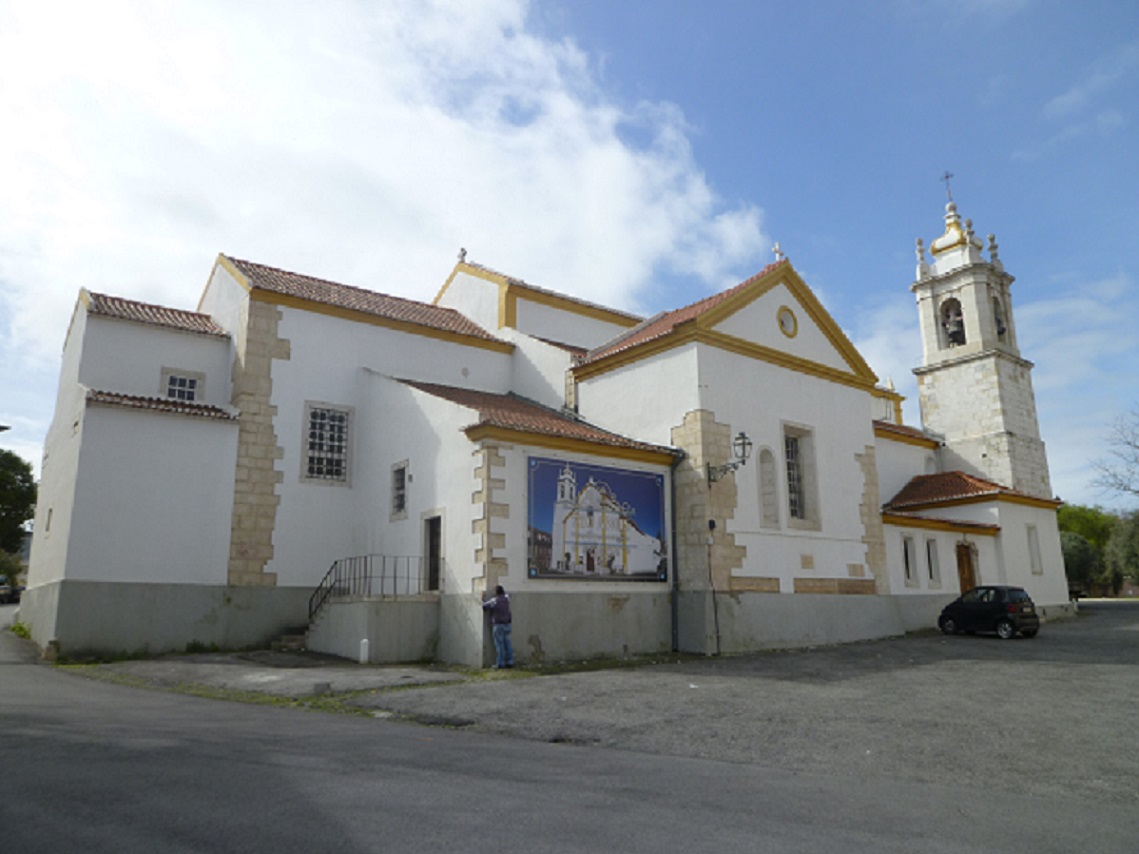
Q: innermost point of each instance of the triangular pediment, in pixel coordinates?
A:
(776, 317)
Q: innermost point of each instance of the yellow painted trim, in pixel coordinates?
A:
(518, 290)
(289, 301)
(507, 308)
(884, 433)
(898, 408)
(686, 333)
(486, 432)
(690, 332)
(785, 274)
(899, 521)
(786, 360)
(1025, 500)
(511, 290)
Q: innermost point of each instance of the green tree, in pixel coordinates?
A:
(17, 499)
(1122, 552)
(1094, 524)
(1082, 562)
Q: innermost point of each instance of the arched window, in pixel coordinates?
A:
(768, 497)
(953, 322)
(999, 318)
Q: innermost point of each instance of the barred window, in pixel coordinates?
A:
(399, 491)
(796, 502)
(327, 444)
(803, 504)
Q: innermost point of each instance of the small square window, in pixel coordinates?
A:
(187, 386)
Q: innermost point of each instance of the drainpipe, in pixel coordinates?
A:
(675, 597)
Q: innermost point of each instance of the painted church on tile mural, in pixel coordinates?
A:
(303, 456)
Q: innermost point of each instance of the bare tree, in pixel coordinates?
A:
(1119, 471)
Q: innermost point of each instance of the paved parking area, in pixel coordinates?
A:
(1054, 715)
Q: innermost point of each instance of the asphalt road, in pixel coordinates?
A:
(874, 747)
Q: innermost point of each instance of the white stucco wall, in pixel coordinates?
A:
(758, 323)
(773, 398)
(320, 522)
(56, 496)
(565, 327)
(988, 566)
(538, 369)
(1050, 587)
(475, 298)
(128, 357)
(900, 462)
(646, 399)
(153, 498)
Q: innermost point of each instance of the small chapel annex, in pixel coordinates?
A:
(298, 454)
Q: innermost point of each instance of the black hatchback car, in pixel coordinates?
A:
(992, 608)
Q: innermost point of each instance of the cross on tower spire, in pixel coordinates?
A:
(948, 189)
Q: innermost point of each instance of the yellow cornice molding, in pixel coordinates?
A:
(692, 332)
(1005, 497)
(785, 274)
(519, 290)
(510, 291)
(905, 439)
(487, 432)
(684, 333)
(786, 360)
(470, 270)
(900, 521)
(289, 301)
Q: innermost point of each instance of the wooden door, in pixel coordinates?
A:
(965, 573)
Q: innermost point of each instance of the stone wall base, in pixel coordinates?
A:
(116, 618)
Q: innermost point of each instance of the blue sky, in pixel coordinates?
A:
(641, 154)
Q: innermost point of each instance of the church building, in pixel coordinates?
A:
(298, 455)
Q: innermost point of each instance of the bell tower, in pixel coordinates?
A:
(974, 388)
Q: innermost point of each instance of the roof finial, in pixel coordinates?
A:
(948, 189)
(779, 256)
(462, 255)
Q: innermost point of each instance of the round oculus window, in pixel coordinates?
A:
(788, 324)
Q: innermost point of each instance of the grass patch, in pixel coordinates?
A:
(21, 631)
(327, 703)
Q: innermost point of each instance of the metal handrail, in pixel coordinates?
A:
(369, 576)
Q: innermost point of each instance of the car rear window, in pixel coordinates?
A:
(1018, 595)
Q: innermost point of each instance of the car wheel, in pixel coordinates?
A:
(1029, 633)
(1006, 630)
(948, 625)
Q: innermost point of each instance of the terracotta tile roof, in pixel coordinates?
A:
(944, 487)
(662, 324)
(159, 404)
(358, 299)
(155, 315)
(512, 412)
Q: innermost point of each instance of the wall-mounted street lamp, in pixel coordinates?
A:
(741, 450)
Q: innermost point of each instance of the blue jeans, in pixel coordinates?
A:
(503, 648)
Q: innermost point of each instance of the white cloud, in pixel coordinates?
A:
(363, 142)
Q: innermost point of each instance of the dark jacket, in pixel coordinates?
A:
(499, 607)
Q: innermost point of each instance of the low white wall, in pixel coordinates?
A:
(397, 630)
(571, 625)
(756, 621)
(107, 618)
